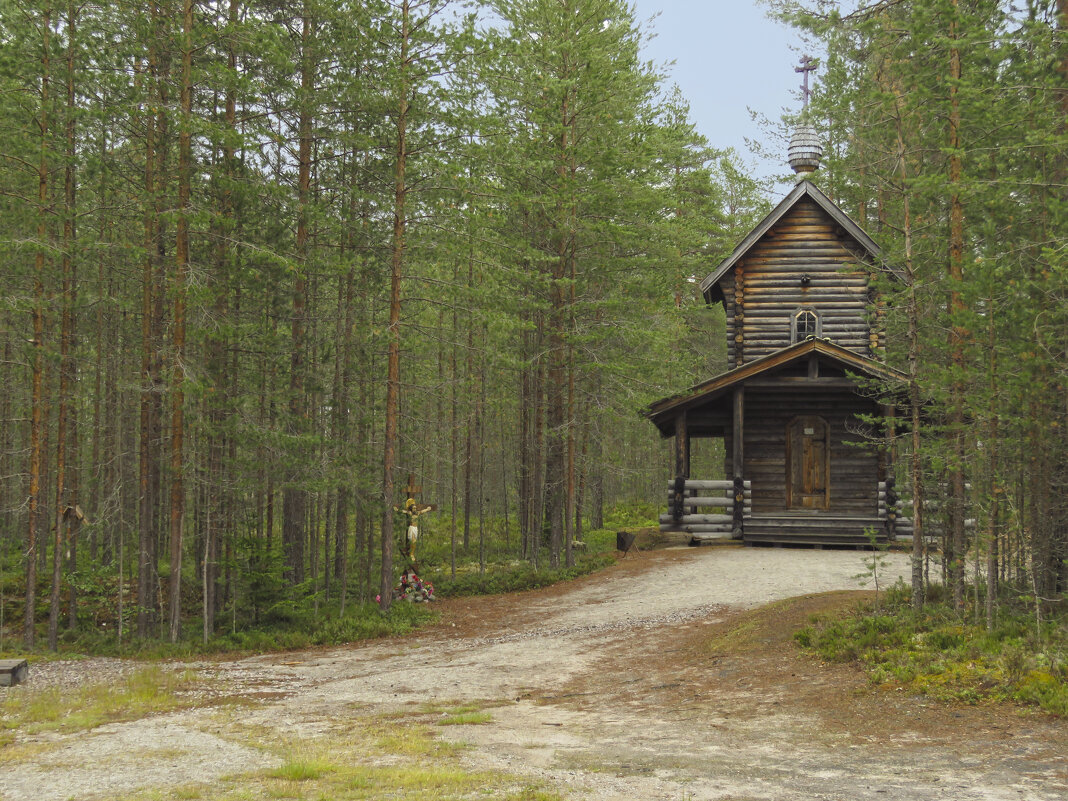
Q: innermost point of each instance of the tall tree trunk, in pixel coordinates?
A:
(37, 390)
(185, 170)
(64, 406)
(454, 432)
(342, 377)
(915, 400)
(992, 467)
(957, 500)
(295, 499)
(569, 489)
(70, 292)
(472, 414)
(538, 457)
(393, 329)
(146, 551)
(557, 422)
(524, 460)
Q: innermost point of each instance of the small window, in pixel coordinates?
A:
(806, 324)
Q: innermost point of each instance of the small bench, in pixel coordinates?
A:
(13, 671)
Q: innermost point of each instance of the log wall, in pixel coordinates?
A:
(855, 472)
(764, 290)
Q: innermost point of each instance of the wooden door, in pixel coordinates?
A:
(808, 454)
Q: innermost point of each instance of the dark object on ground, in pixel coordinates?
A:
(13, 671)
(624, 541)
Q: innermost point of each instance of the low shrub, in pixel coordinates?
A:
(942, 654)
(515, 577)
(1043, 689)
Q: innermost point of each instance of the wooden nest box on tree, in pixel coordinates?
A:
(806, 379)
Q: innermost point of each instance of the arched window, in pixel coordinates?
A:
(805, 324)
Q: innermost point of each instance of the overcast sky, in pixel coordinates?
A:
(729, 58)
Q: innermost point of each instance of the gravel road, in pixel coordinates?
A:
(601, 689)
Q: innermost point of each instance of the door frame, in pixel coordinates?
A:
(799, 423)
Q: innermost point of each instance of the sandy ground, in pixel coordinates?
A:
(618, 686)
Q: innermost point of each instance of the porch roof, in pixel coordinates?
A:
(663, 412)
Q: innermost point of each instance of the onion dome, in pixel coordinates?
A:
(805, 150)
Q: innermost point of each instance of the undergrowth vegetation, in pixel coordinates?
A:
(151, 690)
(502, 570)
(948, 656)
(262, 616)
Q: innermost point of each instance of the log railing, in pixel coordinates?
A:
(707, 508)
(933, 519)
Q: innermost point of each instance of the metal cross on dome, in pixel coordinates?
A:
(808, 64)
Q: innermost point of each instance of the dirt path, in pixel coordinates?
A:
(668, 676)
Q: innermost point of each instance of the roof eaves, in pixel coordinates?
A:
(754, 236)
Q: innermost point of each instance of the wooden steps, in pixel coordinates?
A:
(812, 529)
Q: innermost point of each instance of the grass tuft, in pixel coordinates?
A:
(363, 759)
(149, 691)
(302, 769)
(465, 719)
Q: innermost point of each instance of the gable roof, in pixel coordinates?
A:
(802, 190)
(663, 412)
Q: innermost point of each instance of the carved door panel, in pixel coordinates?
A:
(808, 451)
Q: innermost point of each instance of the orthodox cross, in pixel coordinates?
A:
(413, 510)
(411, 507)
(412, 487)
(808, 64)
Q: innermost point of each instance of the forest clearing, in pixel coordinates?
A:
(289, 288)
(671, 675)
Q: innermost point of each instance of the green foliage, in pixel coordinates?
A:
(503, 571)
(299, 769)
(939, 653)
(360, 622)
(515, 577)
(302, 627)
(948, 119)
(1042, 688)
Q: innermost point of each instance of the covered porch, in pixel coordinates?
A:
(803, 461)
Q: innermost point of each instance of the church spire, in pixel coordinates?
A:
(805, 148)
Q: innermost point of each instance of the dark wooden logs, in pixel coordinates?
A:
(682, 447)
(13, 671)
(692, 519)
(765, 287)
(738, 438)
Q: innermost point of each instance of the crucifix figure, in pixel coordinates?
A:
(413, 510)
(808, 64)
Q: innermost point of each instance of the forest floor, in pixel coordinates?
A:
(672, 675)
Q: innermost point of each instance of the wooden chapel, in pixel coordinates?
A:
(795, 408)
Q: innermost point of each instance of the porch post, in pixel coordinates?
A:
(738, 461)
(886, 467)
(738, 452)
(682, 447)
